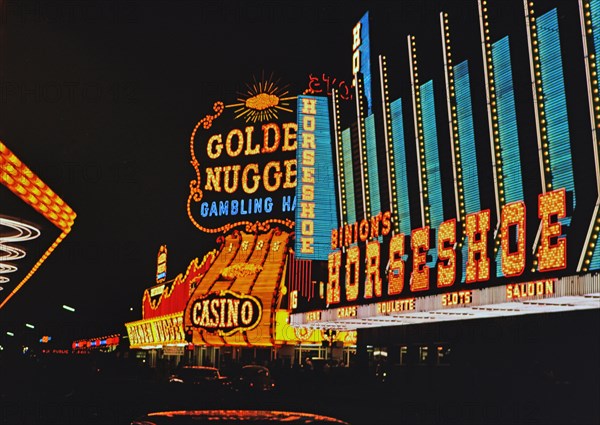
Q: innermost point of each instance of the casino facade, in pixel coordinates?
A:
(232, 304)
(443, 206)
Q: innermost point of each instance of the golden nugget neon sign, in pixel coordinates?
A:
(275, 174)
(239, 171)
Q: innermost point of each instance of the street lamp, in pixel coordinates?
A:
(30, 326)
(66, 307)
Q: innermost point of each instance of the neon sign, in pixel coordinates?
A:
(106, 341)
(21, 232)
(456, 298)
(158, 330)
(530, 289)
(361, 60)
(313, 316)
(226, 312)
(245, 173)
(316, 212)
(29, 188)
(325, 84)
(396, 306)
(161, 264)
(552, 254)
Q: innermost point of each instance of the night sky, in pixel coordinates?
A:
(99, 99)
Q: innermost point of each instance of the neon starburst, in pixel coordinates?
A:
(262, 101)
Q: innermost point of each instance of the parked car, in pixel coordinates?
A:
(200, 376)
(254, 378)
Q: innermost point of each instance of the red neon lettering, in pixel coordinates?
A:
(552, 256)
(478, 224)
(352, 279)
(373, 280)
(333, 282)
(419, 241)
(396, 274)
(513, 263)
(447, 256)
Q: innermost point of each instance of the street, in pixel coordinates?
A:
(71, 391)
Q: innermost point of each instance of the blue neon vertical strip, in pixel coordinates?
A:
(432, 158)
(555, 105)
(507, 128)
(507, 122)
(466, 137)
(372, 167)
(365, 60)
(595, 261)
(325, 208)
(468, 154)
(432, 162)
(402, 204)
(595, 17)
(348, 175)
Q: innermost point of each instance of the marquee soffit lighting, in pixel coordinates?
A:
(20, 180)
(559, 304)
(19, 232)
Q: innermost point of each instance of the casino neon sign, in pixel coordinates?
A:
(226, 312)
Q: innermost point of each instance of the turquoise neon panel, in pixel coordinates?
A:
(595, 12)
(465, 252)
(555, 103)
(348, 176)
(402, 204)
(432, 159)
(507, 128)
(595, 260)
(373, 169)
(507, 122)
(325, 207)
(365, 60)
(432, 163)
(466, 136)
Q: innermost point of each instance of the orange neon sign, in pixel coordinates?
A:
(551, 253)
(20, 180)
